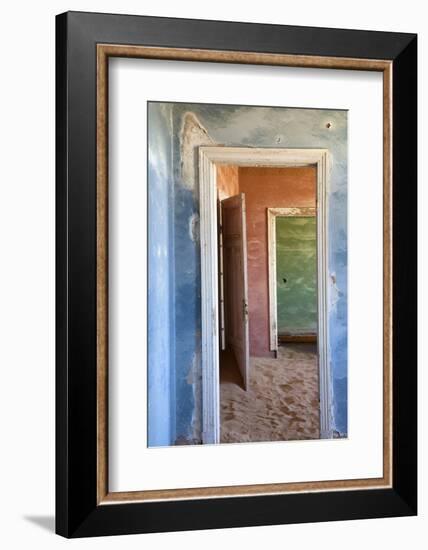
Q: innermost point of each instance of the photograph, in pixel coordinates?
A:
(263, 237)
(236, 273)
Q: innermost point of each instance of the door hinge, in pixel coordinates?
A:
(245, 308)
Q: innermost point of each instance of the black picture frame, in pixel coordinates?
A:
(77, 512)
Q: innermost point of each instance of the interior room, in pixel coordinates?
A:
(280, 164)
(267, 235)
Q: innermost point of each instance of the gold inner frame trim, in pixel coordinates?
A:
(104, 51)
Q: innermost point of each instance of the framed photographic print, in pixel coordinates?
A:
(236, 274)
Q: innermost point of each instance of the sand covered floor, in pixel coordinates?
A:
(282, 400)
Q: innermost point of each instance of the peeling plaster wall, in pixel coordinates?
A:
(189, 134)
(194, 125)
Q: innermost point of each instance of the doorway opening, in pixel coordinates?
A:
(292, 252)
(263, 242)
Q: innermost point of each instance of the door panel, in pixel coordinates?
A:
(235, 278)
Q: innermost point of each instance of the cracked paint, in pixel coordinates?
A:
(334, 292)
(194, 227)
(192, 136)
(194, 378)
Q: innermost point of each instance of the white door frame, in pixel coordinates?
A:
(209, 157)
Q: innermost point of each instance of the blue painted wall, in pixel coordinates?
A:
(188, 127)
(161, 397)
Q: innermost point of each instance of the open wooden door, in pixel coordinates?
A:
(234, 238)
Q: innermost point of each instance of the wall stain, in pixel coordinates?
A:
(194, 379)
(335, 293)
(192, 136)
(194, 227)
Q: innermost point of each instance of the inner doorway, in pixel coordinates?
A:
(292, 250)
(244, 346)
(274, 394)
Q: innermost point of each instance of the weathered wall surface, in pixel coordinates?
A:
(194, 125)
(268, 188)
(296, 274)
(161, 399)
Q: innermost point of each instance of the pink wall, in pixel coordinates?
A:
(268, 188)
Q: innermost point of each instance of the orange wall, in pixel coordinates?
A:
(268, 188)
